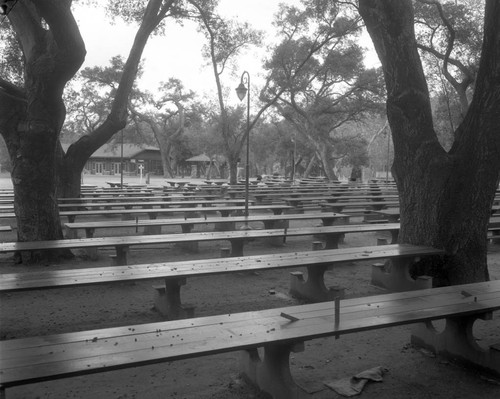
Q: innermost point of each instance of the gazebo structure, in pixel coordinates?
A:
(204, 166)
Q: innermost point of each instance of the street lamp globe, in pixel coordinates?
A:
(241, 91)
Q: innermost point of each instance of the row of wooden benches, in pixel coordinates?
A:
(236, 238)
(190, 240)
(175, 274)
(154, 212)
(279, 331)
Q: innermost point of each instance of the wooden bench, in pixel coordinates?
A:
(237, 239)
(131, 203)
(279, 332)
(392, 215)
(224, 223)
(150, 197)
(362, 206)
(5, 228)
(154, 212)
(175, 274)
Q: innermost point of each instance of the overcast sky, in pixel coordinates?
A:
(178, 53)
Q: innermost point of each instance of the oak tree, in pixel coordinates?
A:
(33, 111)
(445, 196)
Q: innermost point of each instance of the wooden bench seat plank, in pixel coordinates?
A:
(102, 275)
(351, 317)
(327, 217)
(168, 341)
(154, 211)
(165, 204)
(198, 236)
(301, 311)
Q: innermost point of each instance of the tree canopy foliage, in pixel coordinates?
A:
(318, 75)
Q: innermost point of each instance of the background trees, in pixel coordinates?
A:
(318, 76)
(315, 102)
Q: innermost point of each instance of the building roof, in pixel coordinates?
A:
(114, 151)
(108, 150)
(199, 158)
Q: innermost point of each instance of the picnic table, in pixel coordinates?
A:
(278, 332)
(364, 205)
(392, 214)
(154, 212)
(187, 224)
(152, 203)
(236, 238)
(177, 182)
(175, 274)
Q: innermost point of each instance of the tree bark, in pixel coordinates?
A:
(53, 52)
(52, 57)
(310, 165)
(445, 198)
(325, 152)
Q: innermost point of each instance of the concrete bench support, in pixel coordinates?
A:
(395, 276)
(167, 300)
(277, 224)
(457, 342)
(121, 257)
(271, 373)
(237, 246)
(313, 289)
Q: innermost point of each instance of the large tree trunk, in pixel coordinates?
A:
(310, 166)
(52, 57)
(232, 163)
(445, 198)
(54, 51)
(328, 165)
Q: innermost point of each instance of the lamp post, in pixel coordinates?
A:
(241, 91)
(294, 154)
(388, 149)
(121, 163)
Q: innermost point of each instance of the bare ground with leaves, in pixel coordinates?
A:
(412, 373)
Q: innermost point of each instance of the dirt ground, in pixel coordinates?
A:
(411, 373)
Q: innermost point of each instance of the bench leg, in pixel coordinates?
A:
(314, 288)
(395, 276)
(120, 259)
(332, 240)
(277, 241)
(394, 236)
(270, 224)
(457, 342)
(187, 228)
(167, 300)
(272, 373)
(237, 247)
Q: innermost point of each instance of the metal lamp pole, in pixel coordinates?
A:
(388, 149)
(121, 164)
(241, 91)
